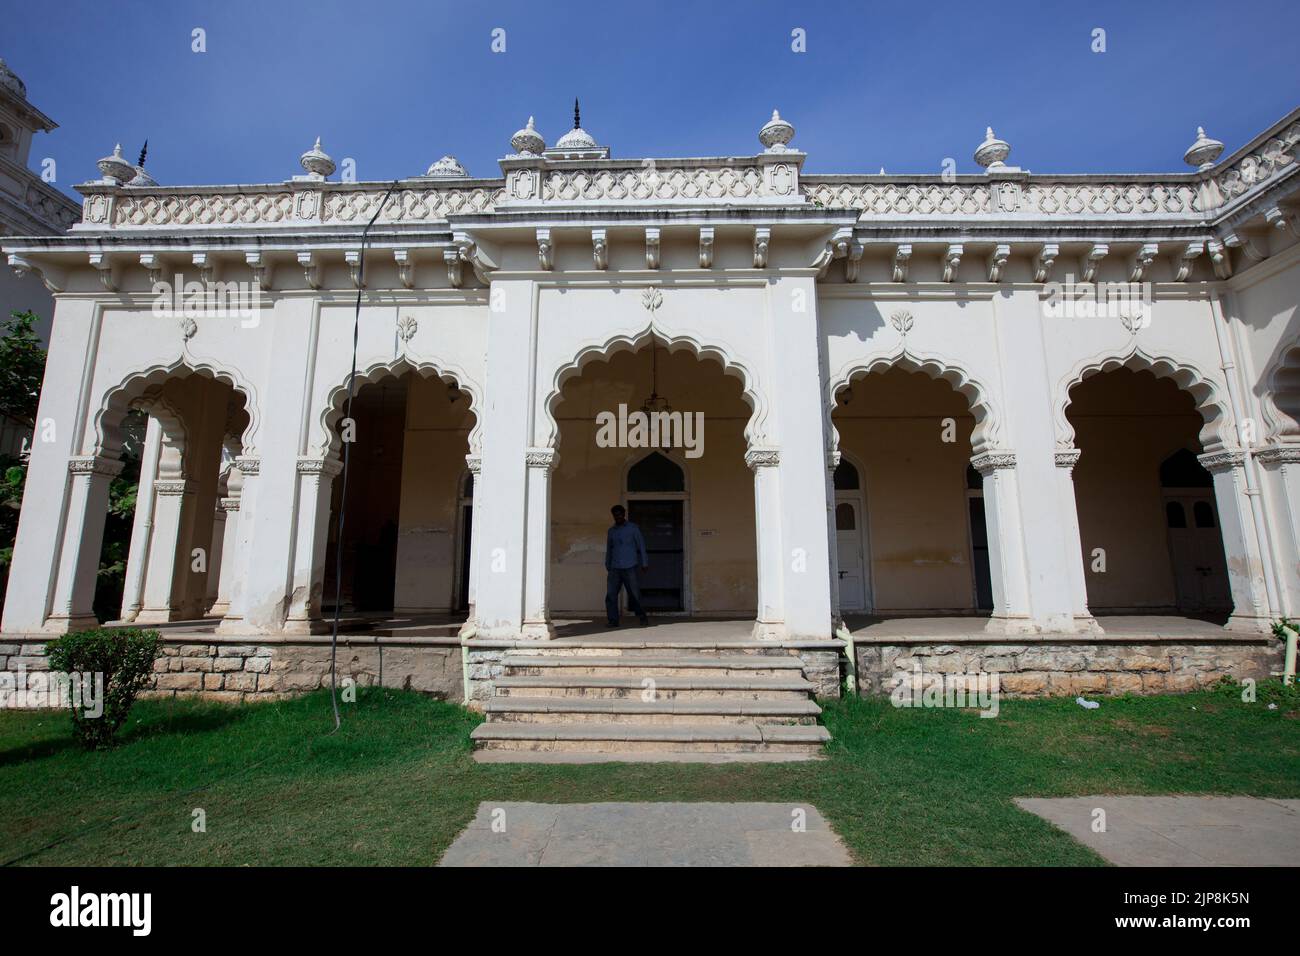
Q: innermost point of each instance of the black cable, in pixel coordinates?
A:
(347, 460)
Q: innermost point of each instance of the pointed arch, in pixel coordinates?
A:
(751, 391)
(987, 434)
(327, 442)
(1281, 395)
(1214, 411)
(142, 385)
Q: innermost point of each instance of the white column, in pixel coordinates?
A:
(83, 538)
(537, 562)
(1069, 512)
(1006, 542)
(168, 561)
(1280, 480)
(1245, 564)
(239, 558)
(769, 623)
(474, 463)
(60, 429)
(311, 536)
(796, 388)
(142, 525)
(503, 479)
(225, 570)
(212, 582)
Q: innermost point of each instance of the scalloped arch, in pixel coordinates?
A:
(327, 442)
(135, 384)
(755, 428)
(1203, 391)
(988, 424)
(1281, 397)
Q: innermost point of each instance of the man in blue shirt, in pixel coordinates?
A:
(624, 550)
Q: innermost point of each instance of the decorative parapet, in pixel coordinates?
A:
(771, 178)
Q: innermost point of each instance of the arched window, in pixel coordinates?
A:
(1175, 517)
(1182, 470)
(656, 472)
(846, 477)
(845, 517)
(974, 480)
(467, 489)
(1203, 514)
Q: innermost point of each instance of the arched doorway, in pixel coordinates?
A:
(405, 533)
(1148, 521)
(693, 500)
(1195, 544)
(852, 546)
(914, 435)
(657, 502)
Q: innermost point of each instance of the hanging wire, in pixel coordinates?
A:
(347, 461)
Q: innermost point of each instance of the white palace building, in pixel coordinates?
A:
(1043, 425)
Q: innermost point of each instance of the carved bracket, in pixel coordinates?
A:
(951, 261)
(706, 247)
(762, 239)
(1093, 259)
(1191, 253)
(101, 262)
(600, 248)
(1044, 261)
(261, 269)
(902, 256)
(153, 266)
(353, 258)
(651, 248)
(1142, 261)
(206, 267)
(310, 269)
(452, 257)
(405, 267)
(998, 261)
(545, 251)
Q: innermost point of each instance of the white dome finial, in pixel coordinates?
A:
(776, 134)
(992, 153)
(1203, 153)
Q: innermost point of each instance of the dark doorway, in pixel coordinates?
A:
(466, 523)
(979, 540)
(660, 521)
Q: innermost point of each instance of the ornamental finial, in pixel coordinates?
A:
(1203, 153)
(115, 167)
(992, 153)
(528, 142)
(316, 162)
(776, 134)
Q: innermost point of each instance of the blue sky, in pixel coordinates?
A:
(396, 85)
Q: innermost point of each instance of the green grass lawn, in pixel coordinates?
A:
(397, 783)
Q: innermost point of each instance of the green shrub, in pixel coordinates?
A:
(123, 659)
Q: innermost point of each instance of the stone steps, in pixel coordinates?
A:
(799, 739)
(702, 665)
(636, 711)
(575, 703)
(665, 688)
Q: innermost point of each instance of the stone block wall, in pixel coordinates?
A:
(1041, 669)
(247, 672)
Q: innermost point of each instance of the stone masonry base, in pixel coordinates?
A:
(1043, 669)
(223, 670)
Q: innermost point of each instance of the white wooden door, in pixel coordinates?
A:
(848, 539)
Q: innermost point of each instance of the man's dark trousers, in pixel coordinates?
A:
(622, 578)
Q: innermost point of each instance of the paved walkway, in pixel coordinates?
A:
(1181, 831)
(646, 834)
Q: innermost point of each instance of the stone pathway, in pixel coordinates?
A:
(646, 834)
(1180, 831)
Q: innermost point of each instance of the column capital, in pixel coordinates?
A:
(1222, 460)
(228, 504)
(95, 465)
(474, 463)
(174, 486)
(762, 457)
(1279, 455)
(319, 466)
(833, 459)
(540, 458)
(249, 466)
(990, 461)
(1067, 457)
